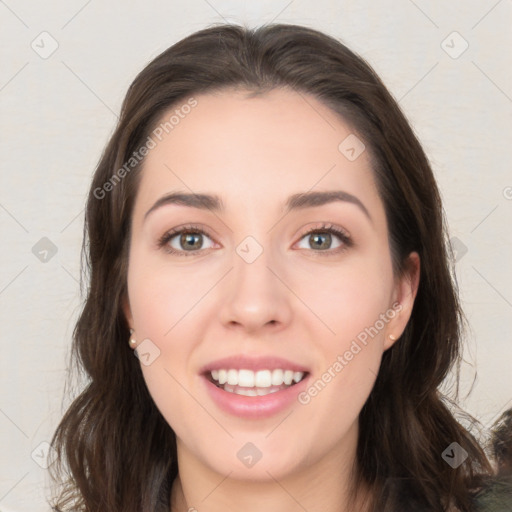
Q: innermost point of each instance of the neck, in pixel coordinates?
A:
(322, 486)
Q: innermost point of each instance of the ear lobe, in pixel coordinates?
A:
(127, 311)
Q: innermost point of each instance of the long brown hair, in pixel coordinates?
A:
(117, 451)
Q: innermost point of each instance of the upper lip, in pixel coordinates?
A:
(244, 362)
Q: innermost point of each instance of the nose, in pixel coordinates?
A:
(256, 297)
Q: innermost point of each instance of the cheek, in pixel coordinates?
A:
(348, 298)
(162, 295)
(349, 360)
(166, 306)
(352, 337)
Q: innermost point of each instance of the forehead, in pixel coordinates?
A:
(271, 145)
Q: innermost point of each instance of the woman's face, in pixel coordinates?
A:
(249, 296)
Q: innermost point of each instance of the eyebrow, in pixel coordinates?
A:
(312, 199)
(294, 202)
(201, 201)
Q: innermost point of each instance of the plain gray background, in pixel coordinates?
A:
(58, 110)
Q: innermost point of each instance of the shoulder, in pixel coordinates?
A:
(495, 496)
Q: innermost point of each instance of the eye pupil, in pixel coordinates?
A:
(191, 240)
(316, 239)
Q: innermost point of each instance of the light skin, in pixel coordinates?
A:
(295, 301)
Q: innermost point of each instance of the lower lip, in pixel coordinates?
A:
(254, 406)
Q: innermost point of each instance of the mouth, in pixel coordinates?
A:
(254, 383)
(254, 388)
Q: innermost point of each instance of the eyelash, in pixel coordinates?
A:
(192, 229)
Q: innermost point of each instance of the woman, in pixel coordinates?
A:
(265, 233)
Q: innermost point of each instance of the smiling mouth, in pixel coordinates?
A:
(254, 383)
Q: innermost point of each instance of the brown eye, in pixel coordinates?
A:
(189, 241)
(192, 241)
(186, 241)
(325, 239)
(320, 241)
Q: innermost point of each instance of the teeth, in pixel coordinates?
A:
(238, 390)
(255, 381)
(245, 378)
(232, 377)
(288, 377)
(277, 377)
(248, 392)
(297, 376)
(263, 379)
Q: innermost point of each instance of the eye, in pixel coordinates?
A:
(188, 239)
(321, 239)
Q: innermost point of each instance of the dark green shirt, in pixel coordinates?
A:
(495, 496)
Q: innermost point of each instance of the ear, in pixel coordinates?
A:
(127, 311)
(404, 294)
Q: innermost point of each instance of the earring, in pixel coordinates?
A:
(392, 337)
(132, 341)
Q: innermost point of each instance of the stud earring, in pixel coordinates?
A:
(132, 341)
(392, 337)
